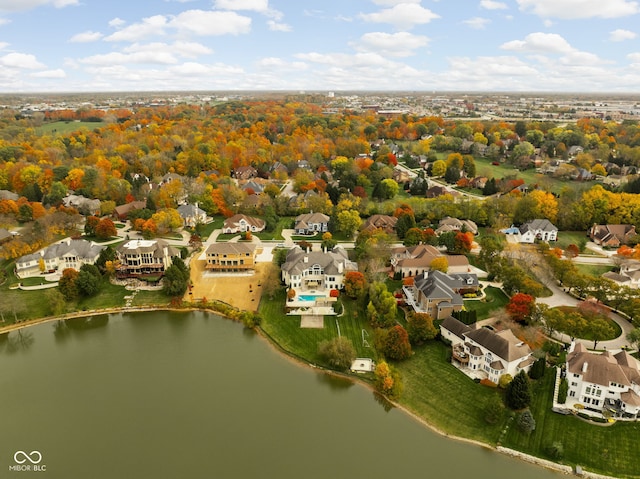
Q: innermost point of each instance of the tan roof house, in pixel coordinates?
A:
(231, 257)
(384, 222)
(612, 236)
(240, 223)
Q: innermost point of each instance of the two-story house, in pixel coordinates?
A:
(415, 260)
(440, 294)
(603, 382)
(231, 257)
(144, 258)
(240, 223)
(311, 223)
(612, 236)
(316, 270)
(58, 257)
(485, 353)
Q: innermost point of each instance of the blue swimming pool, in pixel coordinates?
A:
(309, 297)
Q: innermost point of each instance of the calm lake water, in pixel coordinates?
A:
(166, 395)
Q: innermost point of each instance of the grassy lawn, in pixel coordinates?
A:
(150, 298)
(495, 299)
(445, 397)
(109, 296)
(65, 127)
(286, 331)
(593, 269)
(565, 238)
(604, 449)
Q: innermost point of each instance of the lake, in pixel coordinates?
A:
(191, 395)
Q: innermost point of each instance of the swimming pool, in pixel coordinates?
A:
(309, 297)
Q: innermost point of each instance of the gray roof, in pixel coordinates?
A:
(503, 344)
(456, 326)
(538, 225)
(145, 246)
(302, 221)
(190, 210)
(438, 285)
(80, 248)
(4, 234)
(329, 261)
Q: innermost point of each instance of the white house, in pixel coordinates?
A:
(540, 229)
(241, 223)
(316, 270)
(603, 382)
(485, 353)
(58, 257)
(311, 223)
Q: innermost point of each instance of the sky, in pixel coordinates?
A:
(326, 45)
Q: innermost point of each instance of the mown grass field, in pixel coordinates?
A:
(495, 299)
(593, 269)
(286, 331)
(64, 127)
(612, 450)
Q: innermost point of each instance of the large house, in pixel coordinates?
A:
(415, 260)
(485, 353)
(84, 205)
(241, 223)
(316, 270)
(454, 224)
(603, 382)
(140, 258)
(612, 236)
(121, 212)
(629, 274)
(532, 231)
(385, 223)
(311, 223)
(439, 294)
(58, 257)
(231, 257)
(192, 215)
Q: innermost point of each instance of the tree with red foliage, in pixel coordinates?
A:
(105, 229)
(355, 284)
(520, 307)
(463, 242)
(396, 344)
(572, 251)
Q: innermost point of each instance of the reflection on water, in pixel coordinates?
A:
(383, 401)
(335, 383)
(13, 342)
(63, 329)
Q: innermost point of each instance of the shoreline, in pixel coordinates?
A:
(550, 465)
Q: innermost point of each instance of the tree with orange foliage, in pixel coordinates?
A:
(520, 307)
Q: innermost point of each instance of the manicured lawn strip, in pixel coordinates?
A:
(444, 396)
(150, 298)
(29, 304)
(286, 331)
(34, 281)
(565, 238)
(613, 450)
(495, 299)
(110, 296)
(64, 127)
(593, 269)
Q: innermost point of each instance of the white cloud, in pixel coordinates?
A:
(116, 22)
(86, 37)
(478, 23)
(391, 3)
(23, 5)
(539, 43)
(574, 9)
(493, 5)
(402, 15)
(634, 57)
(3, 45)
(253, 5)
(117, 58)
(58, 73)
(180, 48)
(278, 27)
(206, 23)
(4, 21)
(401, 44)
(150, 26)
(21, 60)
(620, 35)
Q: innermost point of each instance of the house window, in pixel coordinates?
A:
(596, 402)
(572, 394)
(598, 392)
(588, 390)
(574, 384)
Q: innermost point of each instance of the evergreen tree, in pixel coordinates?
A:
(518, 394)
(538, 368)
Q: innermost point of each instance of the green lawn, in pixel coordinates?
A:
(495, 299)
(613, 450)
(593, 269)
(445, 397)
(286, 331)
(65, 127)
(565, 238)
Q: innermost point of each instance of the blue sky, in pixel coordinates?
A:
(335, 45)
